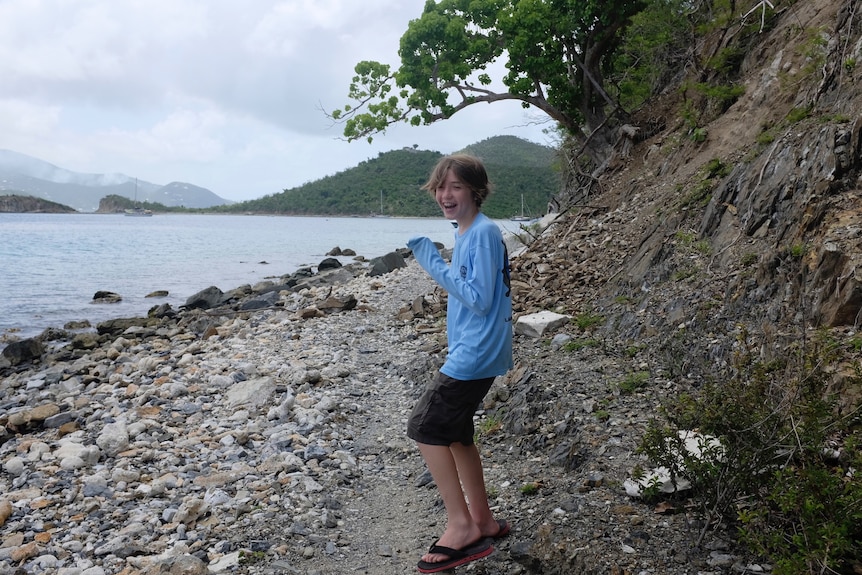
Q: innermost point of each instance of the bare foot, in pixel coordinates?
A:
(454, 538)
(494, 528)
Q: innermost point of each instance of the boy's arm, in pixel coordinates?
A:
(476, 292)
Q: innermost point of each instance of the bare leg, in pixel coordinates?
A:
(461, 530)
(473, 480)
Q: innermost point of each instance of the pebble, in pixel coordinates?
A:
(265, 437)
(179, 438)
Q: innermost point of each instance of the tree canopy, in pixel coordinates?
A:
(556, 54)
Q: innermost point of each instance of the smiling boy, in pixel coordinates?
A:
(479, 334)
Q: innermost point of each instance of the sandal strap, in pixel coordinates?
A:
(447, 551)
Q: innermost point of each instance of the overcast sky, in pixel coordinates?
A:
(222, 94)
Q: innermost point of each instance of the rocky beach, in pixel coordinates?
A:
(253, 438)
(262, 431)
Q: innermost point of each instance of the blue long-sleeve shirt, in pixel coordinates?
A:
(479, 310)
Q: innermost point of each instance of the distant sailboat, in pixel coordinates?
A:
(523, 217)
(138, 211)
(382, 213)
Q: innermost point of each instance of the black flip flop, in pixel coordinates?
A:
(504, 529)
(481, 548)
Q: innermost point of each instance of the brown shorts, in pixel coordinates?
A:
(444, 413)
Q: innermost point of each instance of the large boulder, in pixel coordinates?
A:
(328, 264)
(24, 351)
(206, 299)
(538, 324)
(384, 264)
(102, 296)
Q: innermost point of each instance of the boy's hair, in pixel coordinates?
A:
(469, 170)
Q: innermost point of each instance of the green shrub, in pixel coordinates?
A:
(602, 415)
(698, 135)
(796, 251)
(798, 114)
(787, 469)
(748, 259)
(530, 488)
(765, 137)
(634, 381)
(489, 425)
(715, 168)
(579, 344)
(722, 96)
(588, 320)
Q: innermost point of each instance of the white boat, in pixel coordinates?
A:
(523, 217)
(137, 211)
(382, 213)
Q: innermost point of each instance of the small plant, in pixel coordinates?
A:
(699, 195)
(634, 381)
(836, 118)
(723, 96)
(703, 247)
(764, 138)
(579, 344)
(685, 238)
(683, 273)
(715, 168)
(530, 488)
(796, 251)
(489, 425)
(602, 415)
(698, 135)
(748, 259)
(726, 61)
(650, 490)
(798, 114)
(588, 320)
(633, 350)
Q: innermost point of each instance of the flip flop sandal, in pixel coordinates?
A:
(472, 552)
(504, 530)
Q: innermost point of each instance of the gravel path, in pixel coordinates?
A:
(275, 443)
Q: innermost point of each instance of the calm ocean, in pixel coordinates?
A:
(52, 264)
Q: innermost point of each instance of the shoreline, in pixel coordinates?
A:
(144, 303)
(69, 297)
(273, 441)
(243, 298)
(192, 428)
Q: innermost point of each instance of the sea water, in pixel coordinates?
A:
(51, 265)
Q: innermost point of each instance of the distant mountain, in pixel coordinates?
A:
(390, 184)
(512, 151)
(25, 175)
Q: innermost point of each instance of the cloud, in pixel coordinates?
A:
(218, 93)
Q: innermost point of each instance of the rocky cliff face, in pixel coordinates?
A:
(757, 228)
(113, 205)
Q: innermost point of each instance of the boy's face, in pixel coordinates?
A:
(455, 199)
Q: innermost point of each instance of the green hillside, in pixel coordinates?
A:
(390, 184)
(517, 167)
(513, 151)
